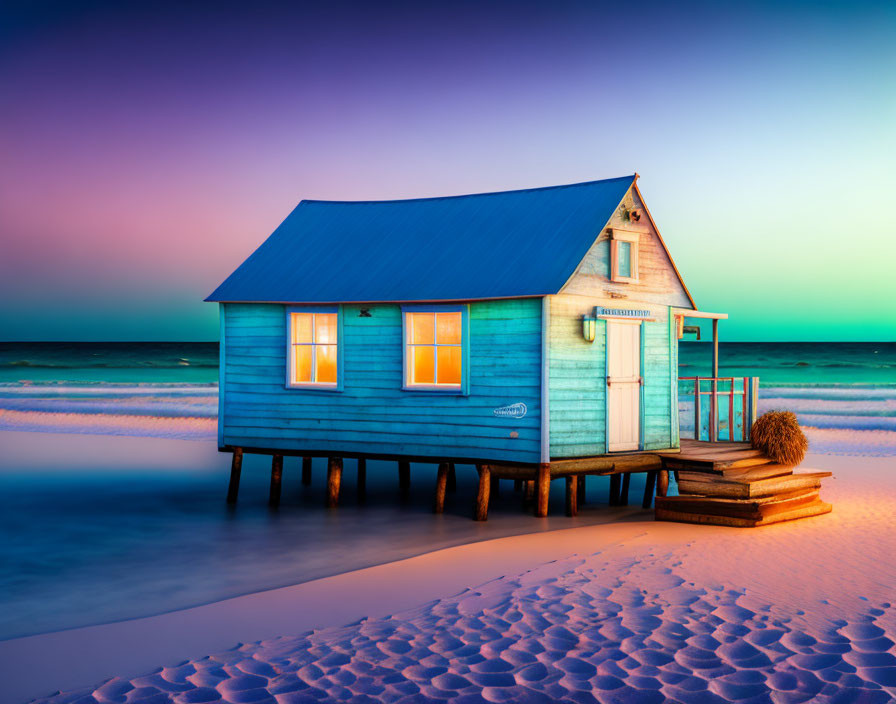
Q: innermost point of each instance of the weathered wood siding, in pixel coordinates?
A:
(577, 377)
(372, 414)
(578, 380)
(657, 280)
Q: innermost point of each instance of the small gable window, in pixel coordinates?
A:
(313, 349)
(624, 256)
(434, 348)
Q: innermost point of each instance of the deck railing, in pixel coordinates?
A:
(717, 409)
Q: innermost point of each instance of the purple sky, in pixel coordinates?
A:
(148, 148)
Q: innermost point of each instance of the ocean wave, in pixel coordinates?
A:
(186, 428)
(186, 406)
(105, 389)
(144, 364)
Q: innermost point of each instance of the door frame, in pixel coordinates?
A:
(640, 323)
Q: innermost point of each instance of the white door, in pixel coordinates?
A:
(623, 384)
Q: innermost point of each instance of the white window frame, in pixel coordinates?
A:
(290, 345)
(617, 236)
(459, 388)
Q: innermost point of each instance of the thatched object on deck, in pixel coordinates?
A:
(778, 435)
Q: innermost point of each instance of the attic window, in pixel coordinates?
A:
(624, 256)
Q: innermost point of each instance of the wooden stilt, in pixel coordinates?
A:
(649, 485)
(623, 495)
(662, 482)
(572, 495)
(580, 499)
(529, 493)
(236, 467)
(496, 487)
(276, 478)
(452, 478)
(404, 478)
(615, 482)
(306, 471)
(480, 509)
(441, 485)
(542, 489)
(334, 479)
(517, 485)
(362, 480)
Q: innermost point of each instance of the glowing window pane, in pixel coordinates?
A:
(325, 328)
(301, 363)
(448, 328)
(423, 365)
(326, 364)
(301, 327)
(449, 365)
(422, 328)
(624, 259)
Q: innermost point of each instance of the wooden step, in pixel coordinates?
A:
(716, 462)
(743, 489)
(755, 508)
(762, 471)
(816, 508)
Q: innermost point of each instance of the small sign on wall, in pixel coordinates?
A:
(600, 311)
(514, 410)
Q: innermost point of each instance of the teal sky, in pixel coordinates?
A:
(149, 148)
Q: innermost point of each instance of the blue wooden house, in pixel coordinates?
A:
(533, 333)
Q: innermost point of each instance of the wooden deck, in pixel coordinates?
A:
(727, 483)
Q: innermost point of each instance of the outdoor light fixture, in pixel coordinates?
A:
(589, 328)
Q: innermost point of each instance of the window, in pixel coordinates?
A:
(624, 256)
(313, 349)
(434, 353)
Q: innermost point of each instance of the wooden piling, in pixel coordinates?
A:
(276, 479)
(649, 485)
(580, 488)
(572, 495)
(615, 482)
(542, 489)
(452, 478)
(480, 509)
(623, 495)
(404, 478)
(662, 482)
(441, 486)
(362, 480)
(306, 471)
(334, 479)
(236, 468)
(529, 493)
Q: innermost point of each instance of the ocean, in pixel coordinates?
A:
(170, 388)
(97, 529)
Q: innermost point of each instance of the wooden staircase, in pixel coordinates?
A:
(731, 484)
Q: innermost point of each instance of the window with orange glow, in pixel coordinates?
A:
(434, 349)
(313, 349)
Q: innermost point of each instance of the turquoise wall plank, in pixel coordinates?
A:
(577, 386)
(372, 413)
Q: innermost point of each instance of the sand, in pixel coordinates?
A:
(627, 612)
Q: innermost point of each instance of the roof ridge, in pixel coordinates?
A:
(631, 177)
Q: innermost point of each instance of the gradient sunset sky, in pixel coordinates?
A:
(147, 148)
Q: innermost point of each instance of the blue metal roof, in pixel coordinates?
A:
(487, 245)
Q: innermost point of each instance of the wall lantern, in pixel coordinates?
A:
(589, 328)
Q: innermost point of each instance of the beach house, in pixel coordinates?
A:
(532, 333)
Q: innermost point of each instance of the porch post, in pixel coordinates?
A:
(714, 408)
(715, 347)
